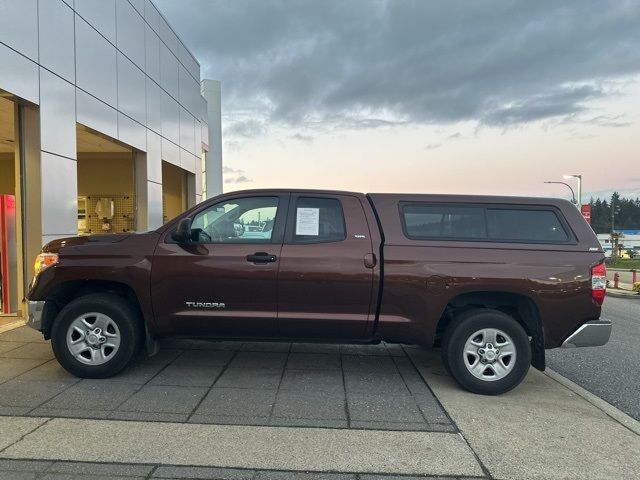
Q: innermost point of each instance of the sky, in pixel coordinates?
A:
(425, 96)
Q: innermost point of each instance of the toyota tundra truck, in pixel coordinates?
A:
(492, 281)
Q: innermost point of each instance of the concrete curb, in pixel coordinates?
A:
(616, 414)
(19, 322)
(615, 294)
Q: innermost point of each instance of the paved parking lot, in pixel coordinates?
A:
(278, 384)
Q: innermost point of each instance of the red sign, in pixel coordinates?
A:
(586, 212)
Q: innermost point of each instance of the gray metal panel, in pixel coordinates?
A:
(131, 132)
(204, 130)
(60, 197)
(19, 75)
(57, 115)
(154, 205)
(154, 99)
(130, 32)
(131, 90)
(154, 156)
(187, 161)
(138, 5)
(101, 14)
(198, 139)
(57, 38)
(187, 134)
(95, 63)
(152, 53)
(168, 37)
(95, 114)
(170, 152)
(189, 92)
(151, 15)
(19, 26)
(170, 118)
(168, 71)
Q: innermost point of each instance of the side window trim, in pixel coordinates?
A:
(278, 227)
(289, 238)
(571, 239)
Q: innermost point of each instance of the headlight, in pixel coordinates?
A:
(43, 261)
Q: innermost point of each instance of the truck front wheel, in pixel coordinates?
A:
(486, 351)
(96, 336)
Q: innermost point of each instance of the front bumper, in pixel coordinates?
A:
(34, 319)
(594, 333)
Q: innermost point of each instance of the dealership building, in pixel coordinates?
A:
(105, 126)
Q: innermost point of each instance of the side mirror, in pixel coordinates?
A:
(182, 234)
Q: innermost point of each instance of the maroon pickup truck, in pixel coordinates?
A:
(493, 281)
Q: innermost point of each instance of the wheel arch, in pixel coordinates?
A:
(521, 307)
(65, 292)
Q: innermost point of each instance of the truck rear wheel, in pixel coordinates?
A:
(96, 336)
(486, 351)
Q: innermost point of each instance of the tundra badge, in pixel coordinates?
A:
(205, 305)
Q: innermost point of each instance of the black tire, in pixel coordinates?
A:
(123, 314)
(470, 322)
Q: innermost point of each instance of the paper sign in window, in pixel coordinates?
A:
(308, 221)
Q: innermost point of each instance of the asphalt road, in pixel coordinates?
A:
(611, 372)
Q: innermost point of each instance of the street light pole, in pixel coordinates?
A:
(573, 195)
(579, 177)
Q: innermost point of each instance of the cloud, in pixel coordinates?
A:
(433, 146)
(380, 63)
(301, 138)
(234, 175)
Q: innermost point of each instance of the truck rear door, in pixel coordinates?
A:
(328, 268)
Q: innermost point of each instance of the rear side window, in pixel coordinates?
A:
(525, 225)
(318, 220)
(477, 222)
(446, 221)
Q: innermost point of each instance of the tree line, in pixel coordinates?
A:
(626, 213)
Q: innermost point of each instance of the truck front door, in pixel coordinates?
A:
(326, 270)
(223, 282)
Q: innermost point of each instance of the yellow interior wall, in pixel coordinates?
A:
(7, 174)
(105, 173)
(173, 191)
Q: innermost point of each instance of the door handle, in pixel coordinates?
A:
(261, 257)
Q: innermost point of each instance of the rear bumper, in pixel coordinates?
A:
(36, 309)
(594, 333)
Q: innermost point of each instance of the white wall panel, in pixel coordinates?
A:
(131, 89)
(152, 53)
(187, 131)
(168, 37)
(130, 32)
(95, 63)
(57, 38)
(168, 71)
(19, 75)
(154, 157)
(204, 130)
(57, 115)
(170, 152)
(170, 111)
(131, 132)
(154, 207)
(19, 26)
(95, 114)
(198, 139)
(59, 196)
(101, 14)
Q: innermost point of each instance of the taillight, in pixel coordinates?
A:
(598, 283)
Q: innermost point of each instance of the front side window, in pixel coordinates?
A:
(318, 220)
(241, 220)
